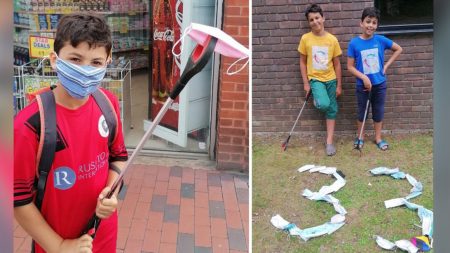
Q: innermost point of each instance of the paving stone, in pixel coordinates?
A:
(171, 213)
(203, 250)
(242, 195)
(186, 243)
(187, 191)
(214, 180)
(216, 209)
(176, 171)
(236, 239)
(158, 203)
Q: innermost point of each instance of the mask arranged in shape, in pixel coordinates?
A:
(226, 45)
(79, 81)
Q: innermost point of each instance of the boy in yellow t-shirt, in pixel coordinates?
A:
(321, 69)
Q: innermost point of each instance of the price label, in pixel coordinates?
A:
(40, 46)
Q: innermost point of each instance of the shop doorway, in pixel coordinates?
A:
(189, 125)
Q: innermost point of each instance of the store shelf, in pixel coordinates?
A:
(129, 26)
(140, 67)
(20, 44)
(131, 13)
(129, 49)
(22, 26)
(131, 29)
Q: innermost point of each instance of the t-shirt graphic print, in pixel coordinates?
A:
(371, 64)
(320, 57)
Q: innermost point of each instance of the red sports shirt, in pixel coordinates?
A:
(79, 171)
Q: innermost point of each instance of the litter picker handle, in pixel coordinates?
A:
(308, 95)
(196, 62)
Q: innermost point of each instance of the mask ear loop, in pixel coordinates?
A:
(234, 63)
(186, 31)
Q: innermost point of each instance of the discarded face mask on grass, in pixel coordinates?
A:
(336, 222)
(416, 244)
(308, 233)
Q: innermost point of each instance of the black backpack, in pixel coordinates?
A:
(47, 140)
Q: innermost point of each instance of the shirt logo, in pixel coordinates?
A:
(103, 127)
(371, 64)
(320, 57)
(64, 178)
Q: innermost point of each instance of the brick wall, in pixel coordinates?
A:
(233, 124)
(277, 84)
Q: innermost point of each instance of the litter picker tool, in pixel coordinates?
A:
(285, 143)
(358, 142)
(196, 62)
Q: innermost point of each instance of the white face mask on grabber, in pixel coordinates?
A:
(226, 45)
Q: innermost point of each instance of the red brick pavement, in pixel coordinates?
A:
(177, 209)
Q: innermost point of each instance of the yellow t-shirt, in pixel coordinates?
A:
(319, 52)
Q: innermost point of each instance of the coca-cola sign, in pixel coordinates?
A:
(166, 35)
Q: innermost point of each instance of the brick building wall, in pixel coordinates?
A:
(233, 118)
(277, 84)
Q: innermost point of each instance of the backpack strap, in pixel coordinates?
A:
(108, 111)
(47, 141)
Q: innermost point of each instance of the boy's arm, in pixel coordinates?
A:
(351, 67)
(303, 64)
(31, 220)
(114, 173)
(338, 71)
(397, 51)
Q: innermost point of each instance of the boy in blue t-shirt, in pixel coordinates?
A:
(365, 60)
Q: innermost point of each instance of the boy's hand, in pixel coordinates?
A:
(307, 88)
(105, 207)
(79, 245)
(367, 84)
(338, 90)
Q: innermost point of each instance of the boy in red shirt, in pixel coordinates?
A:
(81, 173)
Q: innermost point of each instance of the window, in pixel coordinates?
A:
(405, 16)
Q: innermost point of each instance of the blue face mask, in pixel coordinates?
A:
(79, 81)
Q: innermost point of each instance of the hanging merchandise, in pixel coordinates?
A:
(165, 71)
(336, 222)
(415, 244)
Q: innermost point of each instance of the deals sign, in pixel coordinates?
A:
(40, 46)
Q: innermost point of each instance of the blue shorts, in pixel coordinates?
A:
(377, 101)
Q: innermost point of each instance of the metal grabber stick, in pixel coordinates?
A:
(285, 143)
(357, 147)
(196, 62)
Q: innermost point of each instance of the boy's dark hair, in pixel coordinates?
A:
(80, 27)
(370, 12)
(314, 8)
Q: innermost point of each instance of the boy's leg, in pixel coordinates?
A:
(332, 110)
(361, 97)
(320, 95)
(331, 116)
(330, 130)
(378, 101)
(378, 126)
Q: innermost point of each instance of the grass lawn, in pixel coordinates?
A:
(277, 188)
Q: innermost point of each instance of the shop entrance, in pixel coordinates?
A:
(188, 125)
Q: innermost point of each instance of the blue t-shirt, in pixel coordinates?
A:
(369, 57)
